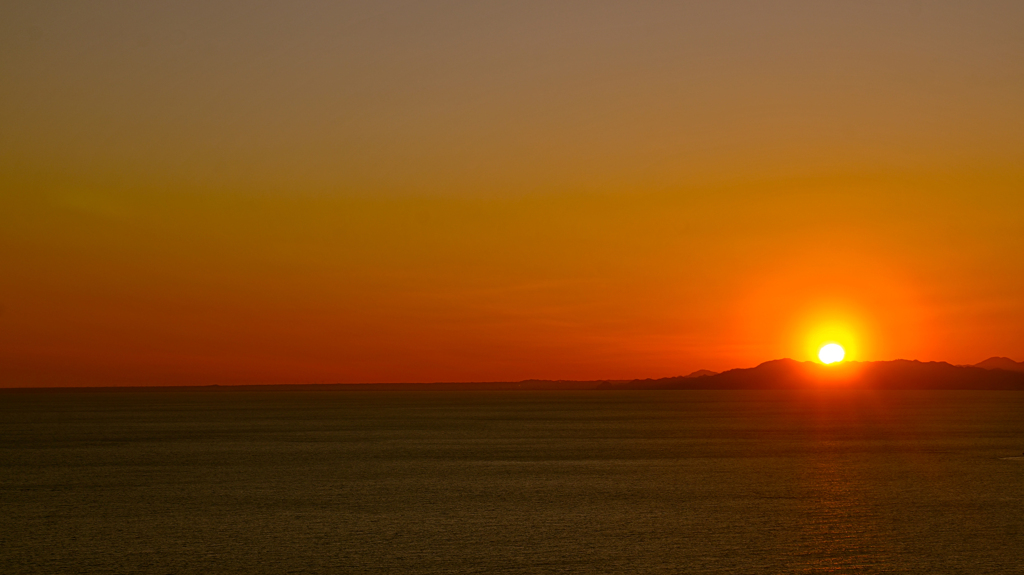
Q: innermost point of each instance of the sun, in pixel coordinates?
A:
(831, 353)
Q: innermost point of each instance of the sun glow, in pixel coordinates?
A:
(831, 353)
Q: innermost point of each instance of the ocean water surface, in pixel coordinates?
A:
(325, 480)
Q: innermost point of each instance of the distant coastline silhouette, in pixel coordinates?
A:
(991, 374)
(997, 373)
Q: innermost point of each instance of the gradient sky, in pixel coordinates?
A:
(270, 192)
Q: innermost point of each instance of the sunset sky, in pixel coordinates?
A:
(284, 192)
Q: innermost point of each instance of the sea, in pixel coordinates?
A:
(336, 480)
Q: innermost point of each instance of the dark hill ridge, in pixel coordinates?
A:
(783, 374)
(702, 373)
(1001, 363)
(992, 374)
(996, 373)
(792, 374)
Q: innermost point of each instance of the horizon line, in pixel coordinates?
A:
(487, 382)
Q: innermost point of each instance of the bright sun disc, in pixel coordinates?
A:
(831, 353)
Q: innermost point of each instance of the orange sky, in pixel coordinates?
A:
(385, 191)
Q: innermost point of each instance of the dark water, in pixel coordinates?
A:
(235, 481)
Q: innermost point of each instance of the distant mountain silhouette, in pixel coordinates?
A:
(992, 374)
(1001, 363)
(791, 374)
(702, 373)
